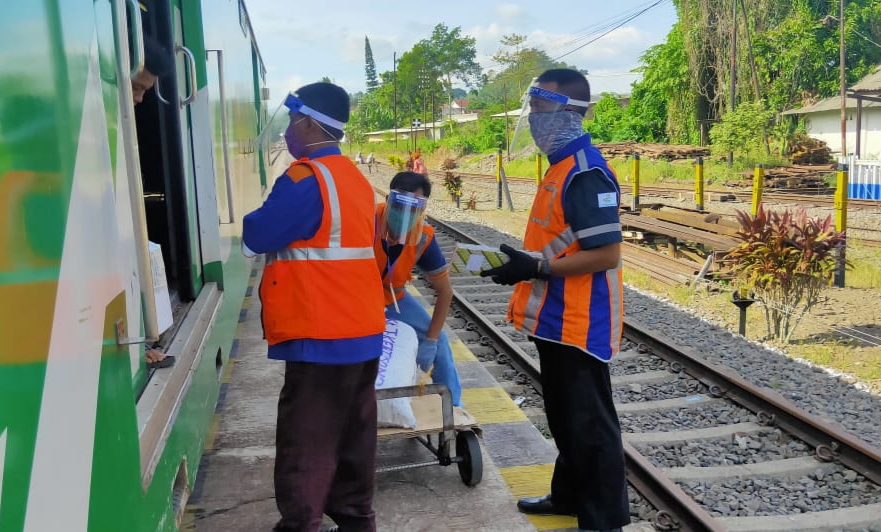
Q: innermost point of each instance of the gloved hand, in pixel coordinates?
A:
(426, 354)
(520, 267)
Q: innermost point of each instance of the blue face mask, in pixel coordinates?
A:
(553, 131)
(295, 146)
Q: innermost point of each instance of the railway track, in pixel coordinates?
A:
(705, 449)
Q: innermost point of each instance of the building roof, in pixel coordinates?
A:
(514, 112)
(870, 83)
(829, 104)
(459, 119)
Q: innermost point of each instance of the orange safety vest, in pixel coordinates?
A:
(584, 311)
(327, 287)
(402, 270)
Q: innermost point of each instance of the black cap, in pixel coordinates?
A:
(326, 98)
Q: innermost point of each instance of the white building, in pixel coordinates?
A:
(823, 119)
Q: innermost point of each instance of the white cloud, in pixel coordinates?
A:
(510, 12)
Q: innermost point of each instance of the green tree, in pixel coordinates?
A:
(520, 65)
(608, 116)
(369, 67)
(661, 103)
(742, 130)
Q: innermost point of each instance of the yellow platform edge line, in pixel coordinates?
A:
(492, 405)
(535, 481)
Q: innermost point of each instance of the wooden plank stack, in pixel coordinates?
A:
(806, 150)
(652, 150)
(795, 177)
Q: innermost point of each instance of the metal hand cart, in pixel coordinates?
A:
(437, 416)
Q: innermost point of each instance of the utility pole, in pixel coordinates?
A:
(842, 80)
(507, 137)
(733, 88)
(395, 97)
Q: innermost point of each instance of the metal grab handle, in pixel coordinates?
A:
(223, 135)
(192, 69)
(159, 93)
(137, 28)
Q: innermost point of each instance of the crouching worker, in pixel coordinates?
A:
(403, 241)
(322, 315)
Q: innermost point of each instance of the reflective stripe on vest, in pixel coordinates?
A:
(320, 254)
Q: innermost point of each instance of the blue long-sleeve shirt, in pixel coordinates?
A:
(292, 212)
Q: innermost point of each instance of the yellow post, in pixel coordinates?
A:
(841, 221)
(499, 175)
(758, 188)
(699, 183)
(538, 175)
(841, 198)
(635, 172)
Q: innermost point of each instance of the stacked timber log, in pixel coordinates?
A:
(795, 177)
(652, 150)
(806, 150)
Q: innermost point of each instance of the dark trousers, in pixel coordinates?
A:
(589, 474)
(326, 446)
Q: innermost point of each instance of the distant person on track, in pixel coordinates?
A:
(571, 304)
(419, 164)
(323, 314)
(405, 241)
(371, 160)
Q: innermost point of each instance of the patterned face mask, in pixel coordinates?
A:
(553, 131)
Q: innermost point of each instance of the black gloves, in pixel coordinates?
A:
(520, 267)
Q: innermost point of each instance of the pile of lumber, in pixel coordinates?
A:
(795, 177)
(652, 150)
(805, 150)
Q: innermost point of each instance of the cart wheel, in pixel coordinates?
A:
(471, 466)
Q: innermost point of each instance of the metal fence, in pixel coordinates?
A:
(864, 179)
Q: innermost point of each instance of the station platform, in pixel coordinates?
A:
(234, 489)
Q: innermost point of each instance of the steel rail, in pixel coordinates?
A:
(831, 441)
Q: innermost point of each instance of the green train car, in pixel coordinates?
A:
(91, 187)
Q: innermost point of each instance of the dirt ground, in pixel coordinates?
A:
(824, 337)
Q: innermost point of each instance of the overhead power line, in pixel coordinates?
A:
(615, 27)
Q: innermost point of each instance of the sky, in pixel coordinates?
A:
(302, 42)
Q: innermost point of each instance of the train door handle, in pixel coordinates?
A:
(191, 64)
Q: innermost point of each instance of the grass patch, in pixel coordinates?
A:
(866, 272)
(861, 362)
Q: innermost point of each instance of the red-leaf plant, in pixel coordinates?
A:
(786, 259)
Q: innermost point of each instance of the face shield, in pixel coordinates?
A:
(403, 217)
(546, 121)
(278, 136)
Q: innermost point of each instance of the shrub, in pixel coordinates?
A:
(397, 162)
(787, 260)
(743, 130)
(452, 182)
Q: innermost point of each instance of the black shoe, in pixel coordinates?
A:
(543, 506)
